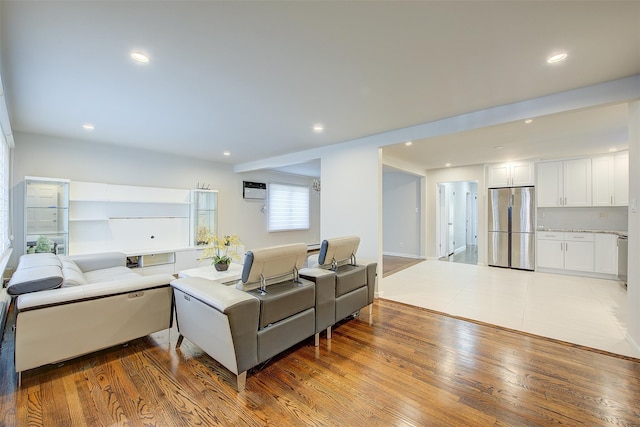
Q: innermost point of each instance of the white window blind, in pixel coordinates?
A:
(288, 207)
(4, 194)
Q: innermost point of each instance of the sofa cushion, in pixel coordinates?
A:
(283, 300)
(350, 277)
(39, 260)
(33, 279)
(109, 274)
(72, 274)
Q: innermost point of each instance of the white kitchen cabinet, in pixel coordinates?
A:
(577, 182)
(512, 174)
(565, 251)
(564, 183)
(550, 250)
(610, 180)
(602, 181)
(621, 179)
(606, 253)
(549, 190)
(578, 251)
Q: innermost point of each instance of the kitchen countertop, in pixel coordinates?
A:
(570, 230)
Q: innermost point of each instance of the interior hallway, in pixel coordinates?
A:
(579, 310)
(468, 256)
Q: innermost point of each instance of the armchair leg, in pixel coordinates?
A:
(329, 333)
(180, 338)
(241, 380)
(316, 339)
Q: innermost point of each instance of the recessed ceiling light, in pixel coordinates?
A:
(447, 164)
(613, 149)
(318, 128)
(408, 143)
(558, 57)
(498, 147)
(88, 126)
(139, 57)
(226, 153)
(528, 121)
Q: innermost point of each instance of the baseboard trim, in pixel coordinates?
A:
(412, 256)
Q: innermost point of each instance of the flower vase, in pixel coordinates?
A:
(221, 266)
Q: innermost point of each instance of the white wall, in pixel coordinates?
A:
(401, 214)
(351, 196)
(467, 173)
(633, 285)
(36, 155)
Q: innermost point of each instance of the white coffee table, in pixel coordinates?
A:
(209, 272)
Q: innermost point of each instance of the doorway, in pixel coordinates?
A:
(457, 221)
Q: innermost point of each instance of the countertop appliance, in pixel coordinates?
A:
(623, 247)
(512, 227)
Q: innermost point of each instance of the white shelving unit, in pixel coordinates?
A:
(127, 218)
(46, 213)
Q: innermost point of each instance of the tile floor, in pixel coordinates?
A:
(585, 311)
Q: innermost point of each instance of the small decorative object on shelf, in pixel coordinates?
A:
(43, 245)
(221, 250)
(203, 235)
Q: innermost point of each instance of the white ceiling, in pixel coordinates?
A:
(575, 133)
(252, 78)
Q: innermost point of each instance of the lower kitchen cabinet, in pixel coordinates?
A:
(606, 253)
(550, 250)
(578, 254)
(565, 251)
(588, 253)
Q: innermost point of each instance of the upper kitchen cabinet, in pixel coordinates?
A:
(602, 181)
(564, 183)
(512, 174)
(621, 179)
(610, 180)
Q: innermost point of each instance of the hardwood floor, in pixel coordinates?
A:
(410, 367)
(393, 264)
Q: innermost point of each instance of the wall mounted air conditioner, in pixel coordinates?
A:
(254, 190)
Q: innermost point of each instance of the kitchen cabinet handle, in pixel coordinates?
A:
(561, 249)
(565, 200)
(612, 200)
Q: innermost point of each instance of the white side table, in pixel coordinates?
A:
(209, 272)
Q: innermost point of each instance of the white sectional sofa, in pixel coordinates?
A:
(70, 306)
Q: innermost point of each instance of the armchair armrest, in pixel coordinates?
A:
(325, 281)
(79, 293)
(228, 333)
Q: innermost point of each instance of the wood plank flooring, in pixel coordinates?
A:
(410, 366)
(393, 264)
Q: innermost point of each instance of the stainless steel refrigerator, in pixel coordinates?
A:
(512, 227)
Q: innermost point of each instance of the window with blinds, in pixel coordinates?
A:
(288, 207)
(4, 194)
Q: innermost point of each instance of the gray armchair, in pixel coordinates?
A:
(352, 284)
(269, 310)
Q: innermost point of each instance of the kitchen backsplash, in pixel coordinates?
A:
(592, 218)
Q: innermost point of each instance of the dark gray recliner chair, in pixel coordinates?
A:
(352, 285)
(269, 310)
